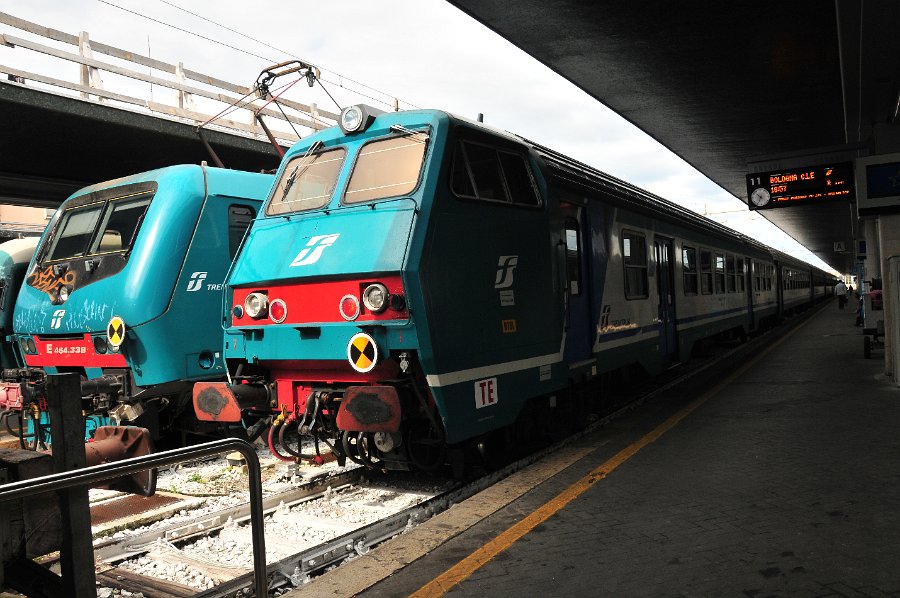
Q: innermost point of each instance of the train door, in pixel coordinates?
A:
(665, 288)
(779, 289)
(579, 329)
(748, 282)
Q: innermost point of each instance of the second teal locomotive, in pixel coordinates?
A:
(125, 289)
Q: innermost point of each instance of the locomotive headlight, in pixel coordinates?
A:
(63, 294)
(356, 119)
(29, 346)
(375, 297)
(100, 345)
(256, 305)
(351, 119)
(349, 307)
(278, 311)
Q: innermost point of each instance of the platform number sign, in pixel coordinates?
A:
(486, 393)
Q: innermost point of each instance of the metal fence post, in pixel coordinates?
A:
(67, 441)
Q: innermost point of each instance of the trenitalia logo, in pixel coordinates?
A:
(313, 250)
(56, 321)
(196, 281)
(505, 269)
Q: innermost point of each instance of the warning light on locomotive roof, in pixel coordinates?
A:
(809, 185)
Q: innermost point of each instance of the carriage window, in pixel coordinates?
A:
(731, 272)
(120, 223)
(386, 168)
(634, 256)
(239, 219)
(689, 266)
(573, 256)
(306, 183)
(75, 231)
(490, 174)
(741, 274)
(706, 272)
(720, 273)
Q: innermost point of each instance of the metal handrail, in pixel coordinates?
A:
(98, 473)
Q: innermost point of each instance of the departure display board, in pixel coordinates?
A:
(796, 186)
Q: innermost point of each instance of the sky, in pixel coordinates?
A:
(425, 53)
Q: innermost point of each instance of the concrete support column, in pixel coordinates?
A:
(888, 227)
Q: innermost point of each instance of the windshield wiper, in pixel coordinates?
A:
(410, 133)
(293, 176)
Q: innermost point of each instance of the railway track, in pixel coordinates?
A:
(316, 525)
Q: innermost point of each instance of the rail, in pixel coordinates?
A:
(222, 96)
(98, 473)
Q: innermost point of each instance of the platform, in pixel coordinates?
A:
(780, 476)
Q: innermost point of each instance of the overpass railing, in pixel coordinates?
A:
(228, 98)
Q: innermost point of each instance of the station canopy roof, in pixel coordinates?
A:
(732, 87)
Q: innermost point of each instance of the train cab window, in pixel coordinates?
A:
(490, 174)
(75, 232)
(731, 282)
(706, 272)
(689, 268)
(386, 168)
(573, 256)
(120, 223)
(634, 256)
(306, 183)
(239, 219)
(720, 273)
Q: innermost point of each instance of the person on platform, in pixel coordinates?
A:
(840, 290)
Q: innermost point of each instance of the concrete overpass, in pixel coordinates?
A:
(51, 145)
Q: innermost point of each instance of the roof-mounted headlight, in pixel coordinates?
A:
(256, 305)
(357, 118)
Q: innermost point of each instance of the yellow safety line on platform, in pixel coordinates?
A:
(469, 565)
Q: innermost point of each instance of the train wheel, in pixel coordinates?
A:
(426, 450)
(365, 445)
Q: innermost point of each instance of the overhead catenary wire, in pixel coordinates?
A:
(253, 54)
(287, 53)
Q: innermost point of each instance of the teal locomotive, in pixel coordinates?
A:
(125, 288)
(418, 282)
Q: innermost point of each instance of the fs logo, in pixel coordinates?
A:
(505, 268)
(604, 317)
(196, 281)
(313, 250)
(56, 322)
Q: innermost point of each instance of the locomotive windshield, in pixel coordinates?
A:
(97, 228)
(386, 168)
(307, 182)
